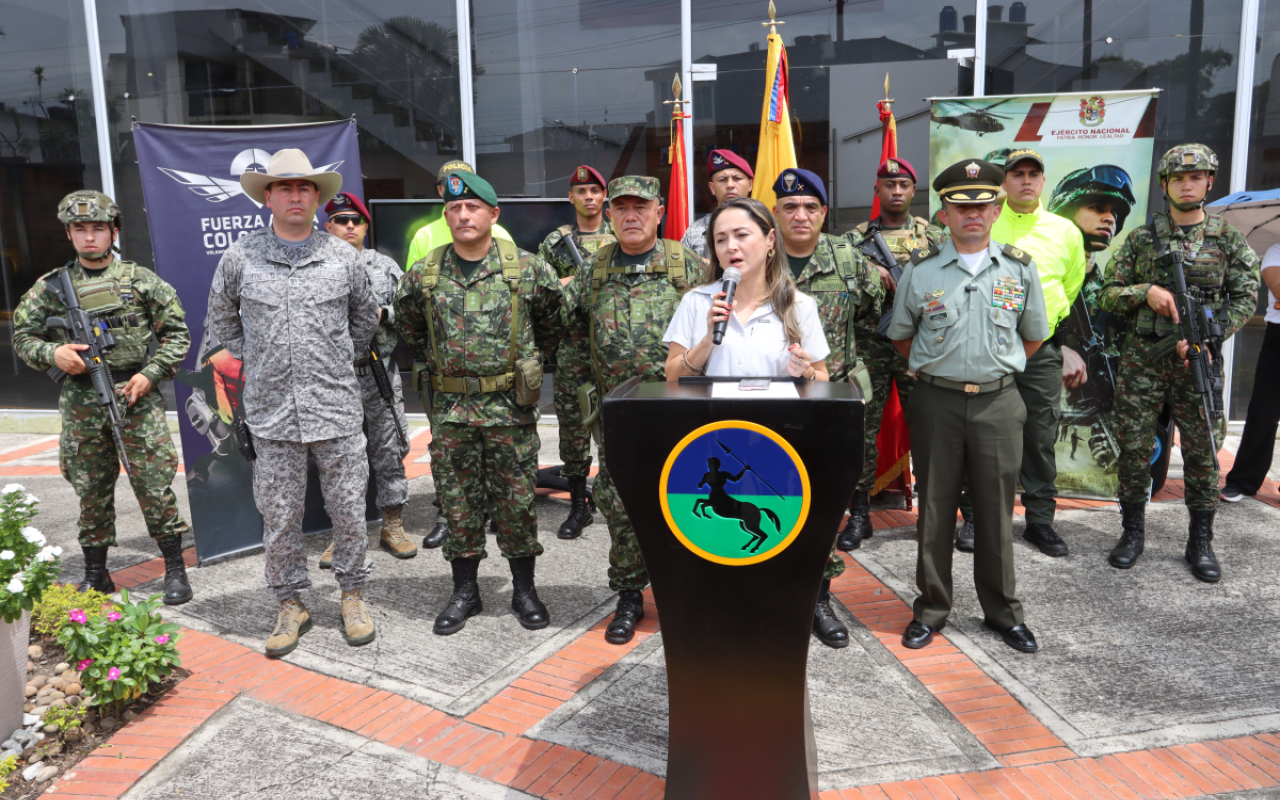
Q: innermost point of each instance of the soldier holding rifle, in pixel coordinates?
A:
(109, 309)
(1218, 271)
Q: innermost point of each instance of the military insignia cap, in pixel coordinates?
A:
(1188, 158)
(1022, 154)
(346, 201)
(642, 186)
(584, 175)
(88, 205)
(453, 166)
(895, 167)
(794, 182)
(974, 181)
(725, 159)
(469, 186)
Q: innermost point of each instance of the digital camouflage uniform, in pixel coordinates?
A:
(135, 303)
(628, 310)
(884, 362)
(695, 236)
(573, 356)
(296, 317)
(849, 295)
(490, 443)
(386, 454)
(1223, 269)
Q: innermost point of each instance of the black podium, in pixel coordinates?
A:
(736, 498)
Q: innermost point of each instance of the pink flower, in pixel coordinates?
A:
(113, 673)
(83, 665)
(76, 615)
(114, 616)
(162, 640)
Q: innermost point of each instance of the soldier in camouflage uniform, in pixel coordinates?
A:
(903, 233)
(729, 176)
(625, 296)
(349, 221)
(134, 303)
(573, 357)
(295, 306)
(843, 284)
(480, 310)
(1222, 270)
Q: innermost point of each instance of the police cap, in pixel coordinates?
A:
(969, 181)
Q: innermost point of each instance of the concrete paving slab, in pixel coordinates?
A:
(1128, 659)
(253, 750)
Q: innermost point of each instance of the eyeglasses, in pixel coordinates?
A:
(347, 219)
(1114, 177)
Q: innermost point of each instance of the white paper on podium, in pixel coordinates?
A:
(778, 390)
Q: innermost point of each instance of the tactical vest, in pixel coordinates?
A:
(845, 280)
(461, 384)
(1204, 265)
(110, 298)
(903, 240)
(673, 267)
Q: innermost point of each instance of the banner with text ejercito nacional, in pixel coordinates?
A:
(195, 211)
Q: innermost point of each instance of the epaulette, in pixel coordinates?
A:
(921, 253)
(1017, 254)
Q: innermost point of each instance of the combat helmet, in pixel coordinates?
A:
(1105, 181)
(87, 205)
(1187, 158)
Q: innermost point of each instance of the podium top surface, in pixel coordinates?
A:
(635, 389)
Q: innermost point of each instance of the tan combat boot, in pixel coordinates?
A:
(326, 558)
(393, 539)
(294, 620)
(357, 624)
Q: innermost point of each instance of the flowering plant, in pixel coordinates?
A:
(119, 654)
(28, 563)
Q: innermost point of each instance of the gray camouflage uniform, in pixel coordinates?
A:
(695, 236)
(386, 454)
(296, 317)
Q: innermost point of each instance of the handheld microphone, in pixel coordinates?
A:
(731, 277)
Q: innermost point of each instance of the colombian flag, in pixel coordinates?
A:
(777, 150)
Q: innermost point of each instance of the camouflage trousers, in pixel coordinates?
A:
(886, 365)
(1141, 389)
(386, 455)
(280, 490)
(502, 463)
(89, 461)
(573, 368)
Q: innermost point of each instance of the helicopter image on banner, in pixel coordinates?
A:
(979, 120)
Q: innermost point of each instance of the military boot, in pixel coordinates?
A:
(826, 625)
(326, 558)
(96, 577)
(177, 589)
(530, 611)
(630, 611)
(293, 621)
(357, 624)
(393, 539)
(465, 602)
(1133, 538)
(1204, 564)
(438, 533)
(859, 526)
(579, 510)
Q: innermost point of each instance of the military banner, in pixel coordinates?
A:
(1097, 150)
(195, 211)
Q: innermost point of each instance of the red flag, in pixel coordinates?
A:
(678, 196)
(889, 146)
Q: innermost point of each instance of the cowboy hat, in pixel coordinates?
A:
(290, 164)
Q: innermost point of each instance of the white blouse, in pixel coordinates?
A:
(757, 348)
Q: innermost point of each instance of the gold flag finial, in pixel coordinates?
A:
(773, 20)
(888, 101)
(676, 88)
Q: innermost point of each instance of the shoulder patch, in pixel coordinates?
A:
(1017, 254)
(921, 253)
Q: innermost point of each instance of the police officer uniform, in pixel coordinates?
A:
(967, 330)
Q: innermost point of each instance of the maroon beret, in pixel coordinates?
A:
(346, 201)
(894, 167)
(724, 159)
(584, 175)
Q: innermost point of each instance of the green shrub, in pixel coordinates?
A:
(49, 616)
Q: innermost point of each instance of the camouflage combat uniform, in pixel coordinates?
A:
(386, 454)
(1224, 269)
(695, 236)
(573, 356)
(490, 443)
(135, 302)
(884, 362)
(296, 316)
(628, 309)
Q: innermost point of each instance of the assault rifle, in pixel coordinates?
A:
(381, 378)
(81, 327)
(877, 249)
(571, 247)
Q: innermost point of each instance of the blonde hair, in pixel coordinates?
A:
(779, 285)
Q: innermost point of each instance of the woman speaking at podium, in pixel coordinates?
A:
(772, 330)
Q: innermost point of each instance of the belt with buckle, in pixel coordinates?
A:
(117, 376)
(968, 388)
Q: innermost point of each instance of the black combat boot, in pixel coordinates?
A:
(1125, 554)
(859, 526)
(439, 531)
(964, 536)
(177, 589)
(530, 611)
(630, 611)
(96, 576)
(826, 625)
(579, 510)
(465, 602)
(1204, 564)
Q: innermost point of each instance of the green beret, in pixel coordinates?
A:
(969, 181)
(465, 185)
(641, 186)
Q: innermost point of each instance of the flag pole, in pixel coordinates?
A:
(678, 208)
